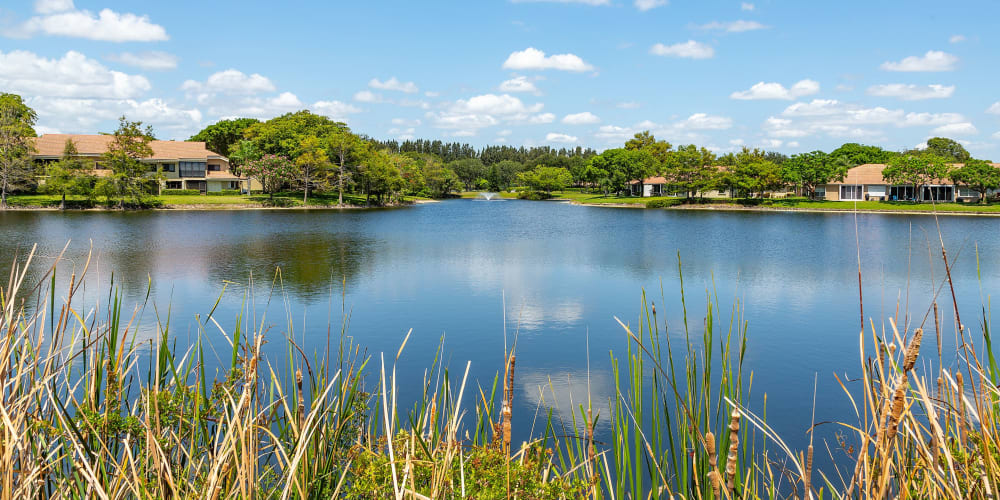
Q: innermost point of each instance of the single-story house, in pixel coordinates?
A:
(185, 164)
(865, 182)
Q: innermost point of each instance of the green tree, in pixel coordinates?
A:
(810, 170)
(343, 144)
(646, 141)
(312, 164)
(128, 147)
(978, 175)
(468, 171)
(502, 175)
(752, 175)
(948, 149)
(17, 131)
(859, 154)
(917, 170)
(690, 169)
(441, 181)
(546, 179)
(271, 171)
(221, 136)
(68, 175)
(620, 166)
(380, 176)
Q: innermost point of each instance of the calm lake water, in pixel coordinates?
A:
(562, 272)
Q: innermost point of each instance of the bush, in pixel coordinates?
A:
(225, 192)
(533, 195)
(181, 192)
(664, 203)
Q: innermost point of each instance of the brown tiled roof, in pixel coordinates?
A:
(651, 180)
(51, 145)
(871, 173)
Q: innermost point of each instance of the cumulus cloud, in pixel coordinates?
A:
(542, 118)
(336, 110)
(762, 90)
(932, 61)
(833, 118)
(61, 18)
(153, 60)
(746, 6)
(71, 115)
(689, 129)
(72, 75)
(393, 84)
(534, 59)
(911, 92)
(956, 39)
(584, 118)
(487, 110)
(561, 138)
(518, 84)
(733, 26)
(367, 96)
(953, 129)
(644, 5)
(228, 82)
(406, 122)
(994, 109)
(689, 49)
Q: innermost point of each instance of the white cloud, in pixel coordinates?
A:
(953, 129)
(734, 26)
(584, 118)
(152, 60)
(430, 93)
(833, 118)
(107, 25)
(228, 82)
(542, 118)
(702, 121)
(72, 115)
(793, 144)
(336, 110)
(996, 135)
(911, 92)
(534, 59)
(762, 90)
(562, 138)
(404, 122)
(736, 142)
(746, 6)
(644, 5)
(518, 84)
(689, 49)
(367, 96)
(994, 109)
(504, 133)
(73, 75)
(772, 143)
(408, 103)
(493, 104)
(52, 6)
(627, 105)
(933, 60)
(393, 84)
(956, 39)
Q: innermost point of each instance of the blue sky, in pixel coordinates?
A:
(788, 76)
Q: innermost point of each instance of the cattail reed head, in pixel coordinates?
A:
(298, 378)
(713, 461)
(910, 358)
(897, 406)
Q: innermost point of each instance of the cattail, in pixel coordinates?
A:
(960, 405)
(892, 349)
(713, 462)
(302, 404)
(897, 407)
(808, 477)
(734, 440)
(910, 358)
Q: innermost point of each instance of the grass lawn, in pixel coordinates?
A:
(166, 201)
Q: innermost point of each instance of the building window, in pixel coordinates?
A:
(901, 193)
(175, 184)
(191, 169)
(820, 192)
(99, 166)
(850, 192)
(214, 168)
(169, 167)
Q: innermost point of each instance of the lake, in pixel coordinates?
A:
(558, 273)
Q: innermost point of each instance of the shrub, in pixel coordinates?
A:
(664, 203)
(181, 192)
(225, 192)
(533, 195)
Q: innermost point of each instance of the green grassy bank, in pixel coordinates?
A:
(168, 201)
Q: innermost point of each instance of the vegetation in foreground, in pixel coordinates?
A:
(90, 411)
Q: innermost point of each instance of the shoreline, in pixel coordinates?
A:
(737, 208)
(214, 207)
